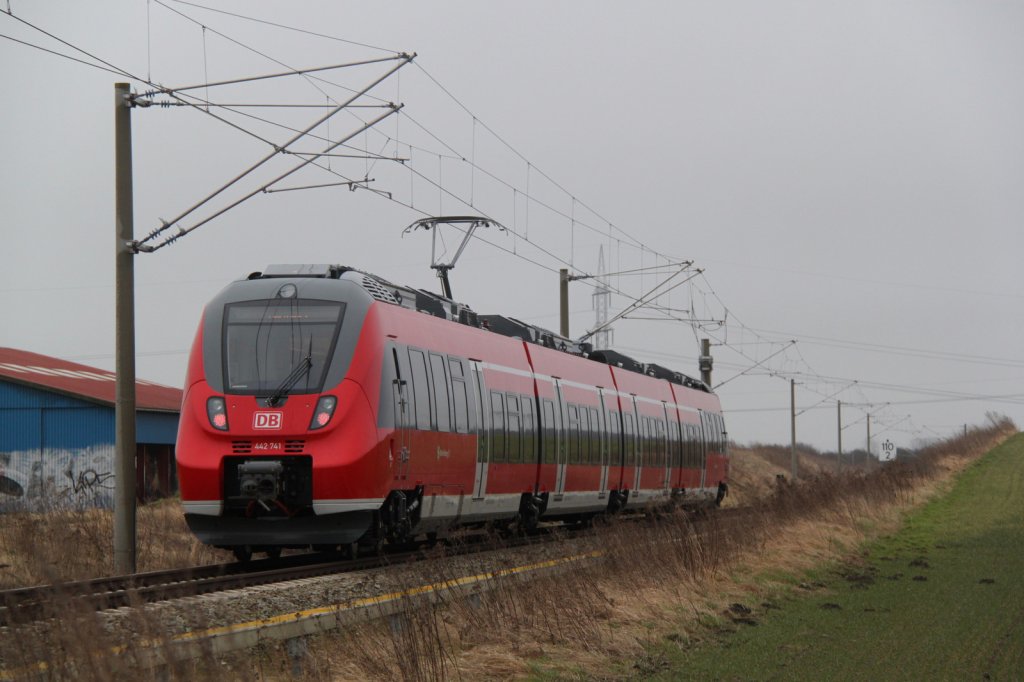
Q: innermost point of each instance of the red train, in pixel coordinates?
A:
(325, 406)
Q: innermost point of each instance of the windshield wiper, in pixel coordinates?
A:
(293, 378)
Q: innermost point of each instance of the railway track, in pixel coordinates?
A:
(25, 605)
(29, 604)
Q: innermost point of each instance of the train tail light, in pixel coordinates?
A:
(217, 412)
(323, 413)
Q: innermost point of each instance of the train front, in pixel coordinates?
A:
(277, 432)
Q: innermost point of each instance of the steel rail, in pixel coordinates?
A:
(24, 605)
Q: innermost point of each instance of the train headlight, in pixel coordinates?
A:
(323, 413)
(217, 412)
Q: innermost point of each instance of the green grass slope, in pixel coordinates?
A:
(941, 600)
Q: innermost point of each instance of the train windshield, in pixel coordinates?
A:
(279, 346)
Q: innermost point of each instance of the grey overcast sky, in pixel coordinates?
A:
(849, 175)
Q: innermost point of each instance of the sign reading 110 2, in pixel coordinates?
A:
(888, 448)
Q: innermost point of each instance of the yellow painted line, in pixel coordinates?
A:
(306, 614)
(371, 601)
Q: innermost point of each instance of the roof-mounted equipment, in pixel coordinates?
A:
(472, 222)
(517, 329)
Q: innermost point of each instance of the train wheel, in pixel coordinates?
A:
(242, 553)
(350, 551)
(273, 552)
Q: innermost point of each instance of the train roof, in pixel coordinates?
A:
(437, 305)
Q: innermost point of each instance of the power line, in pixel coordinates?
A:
(902, 350)
(404, 59)
(695, 321)
(61, 54)
(284, 26)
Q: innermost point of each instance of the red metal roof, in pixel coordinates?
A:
(82, 381)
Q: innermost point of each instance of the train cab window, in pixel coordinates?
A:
(265, 342)
(614, 439)
(498, 427)
(420, 388)
(529, 430)
(514, 426)
(460, 396)
(550, 439)
(443, 415)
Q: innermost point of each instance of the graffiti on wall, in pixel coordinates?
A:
(55, 477)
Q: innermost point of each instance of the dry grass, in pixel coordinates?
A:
(754, 469)
(667, 579)
(665, 582)
(39, 548)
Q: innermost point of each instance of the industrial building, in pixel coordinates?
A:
(57, 433)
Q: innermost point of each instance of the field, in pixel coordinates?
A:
(672, 596)
(941, 599)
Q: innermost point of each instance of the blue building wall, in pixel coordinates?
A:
(60, 447)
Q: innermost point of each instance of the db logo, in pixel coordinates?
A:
(267, 420)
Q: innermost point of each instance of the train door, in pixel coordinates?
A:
(483, 429)
(560, 445)
(403, 420)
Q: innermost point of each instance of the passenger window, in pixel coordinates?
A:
(529, 440)
(643, 447)
(550, 434)
(614, 440)
(630, 431)
(673, 442)
(574, 434)
(514, 426)
(663, 445)
(420, 388)
(460, 396)
(695, 447)
(498, 426)
(440, 373)
(585, 453)
(596, 456)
